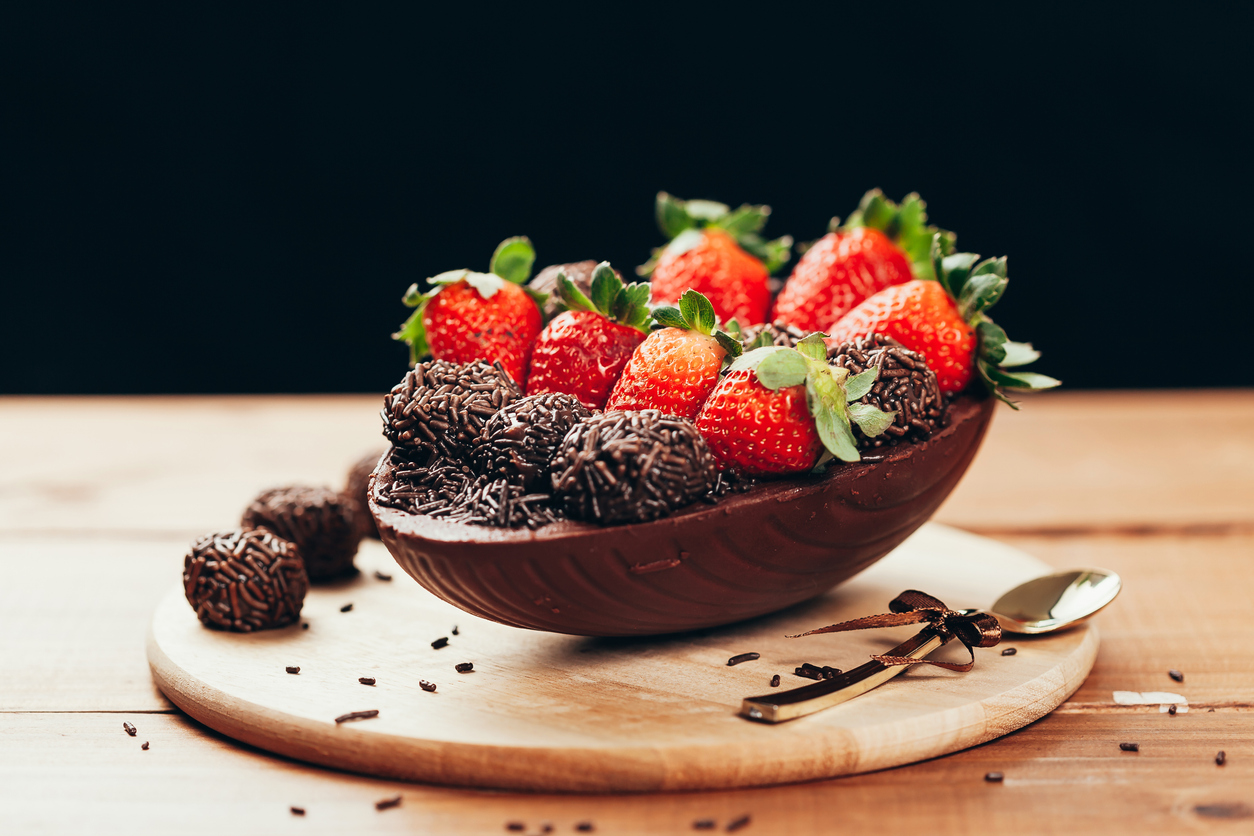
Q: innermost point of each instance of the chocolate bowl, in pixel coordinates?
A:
(753, 553)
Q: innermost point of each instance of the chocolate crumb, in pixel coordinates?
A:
(298, 811)
(1171, 710)
(775, 681)
(743, 657)
(293, 668)
(1130, 747)
(737, 824)
(516, 826)
(1010, 651)
(129, 728)
(357, 715)
(830, 673)
(425, 685)
(1210, 711)
(464, 667)
(145, 746)
(440, 642)
(547, 827)
(994, 777)
(346, 608)
(304, 625)
(1221, 758)
(585, 827)
(703, 824)
(388, 803)
(1176, 675)
(455, 630)
(382, 576)
(366, 680)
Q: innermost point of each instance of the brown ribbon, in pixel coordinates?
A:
(973, 629)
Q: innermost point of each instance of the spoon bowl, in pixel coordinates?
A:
(1057, 601)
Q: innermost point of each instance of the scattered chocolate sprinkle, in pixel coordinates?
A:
(546, 827)
(464, 667)
(304, 625)
(357, 715)
(346, 608)
(293, 669)
(130, 729)
(1221, 758)
(321, 523)
(388, 803)
(425, 685)
(439, 408)
(737, 824)
(145, 746)
(775, 681)
(440, 642)
(382, 576)
(519, 442)
(454, 631)
(366, 680)
(298, 811)
(1176, 675)
(1210, 711)
(244, 580)
(356, 489)
(1010, 651)
(1130, 747)
(703, 824)
(905, 385)
(634, 465)
(1171, 710)
(515, 826)
(585, 827)
(994, 777)
(727, 481)
(810, 671)
(743, 657)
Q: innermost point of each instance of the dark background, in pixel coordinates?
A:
(205, 200)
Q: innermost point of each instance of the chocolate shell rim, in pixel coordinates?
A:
(966, 407)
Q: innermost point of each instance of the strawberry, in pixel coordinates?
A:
(583, 351)
(946, 321)
(784, 410)
(881, 245)
(675, 368)
(718, 253)
(477, 316)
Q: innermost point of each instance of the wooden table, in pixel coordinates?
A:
(99, 498)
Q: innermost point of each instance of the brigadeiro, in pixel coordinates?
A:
(245, 580)
(631, 465)
(519, 441)
(355, 488)
(441, 407)
(321, 522)
(906, 385)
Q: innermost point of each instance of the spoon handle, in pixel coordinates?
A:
(798, 702)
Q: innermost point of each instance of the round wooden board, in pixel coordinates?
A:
(543, 711)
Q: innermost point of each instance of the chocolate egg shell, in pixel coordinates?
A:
(707, 565)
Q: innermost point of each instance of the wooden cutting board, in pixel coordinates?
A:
(543, 711)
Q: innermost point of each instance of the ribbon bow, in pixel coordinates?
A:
(972, 628)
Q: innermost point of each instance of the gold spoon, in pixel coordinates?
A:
(1043, 605)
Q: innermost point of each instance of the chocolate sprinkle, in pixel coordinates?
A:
(321, 523)
(244, 580)
(515, 826)
(382, 576)
(440, 408)
(464, 667)
(454, 630)
(298, 811)
(1171, 710)
(346, 608)
(356, 489)
(1176, 675)
(366, 680)
(628, 466)
(994, 777)
(293, 669)
(743, 657)
(519, 442)
(357, 715)
(585, 827)
(737, 824)
(1010, 651)
(1130, 747)
(425, 685)
(780, 333)
(905, 385)
(388, 803)
(440, 642)
(816, 672)
(129, 729)
(144, 746)
(1221, 758)
(703, 824)
(775, 681)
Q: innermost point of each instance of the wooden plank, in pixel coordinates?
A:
(1068, 461)
(1064, 774)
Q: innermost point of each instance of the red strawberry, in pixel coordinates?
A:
(477, 316)
(945, 321)
(872, 251)
(583, 351)
(675, 368)
(718, 253)
(777, 409)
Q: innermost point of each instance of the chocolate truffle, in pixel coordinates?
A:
(580, 275)
(906, 386)
(519, 441)
(321, 522)
(245, 580)
(355, 489)
(422, 487)
(441, 407)
(628, 466)
(778, 332)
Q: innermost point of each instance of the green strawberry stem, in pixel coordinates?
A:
(511, 262)
(696, 313)
(681, 221)
(975, 286)
(906, 225)
(625, 304)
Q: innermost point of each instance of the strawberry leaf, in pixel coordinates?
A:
(415, 297)
(906, 225)
(414, 334)
(957, 268)
(992, 342)
(669, 317)
(605, 288)
(751, 359)
(871, 420)
(698, 312)
(745, 220)
(684, 241)
(813, 347)
(1018, 354)
(782, 368)
(1022, 380)
(773, 254)
(513, 259)
(730, 345)
(857, 386)
(572, 297)
(672, 217)
(487, 284)
(979, 294)
(706, 210)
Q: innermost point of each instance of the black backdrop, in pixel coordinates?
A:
(205, 200)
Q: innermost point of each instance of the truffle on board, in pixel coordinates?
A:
(245, 580)
(321, 522)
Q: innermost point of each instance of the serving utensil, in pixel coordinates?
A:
(1042, 605)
